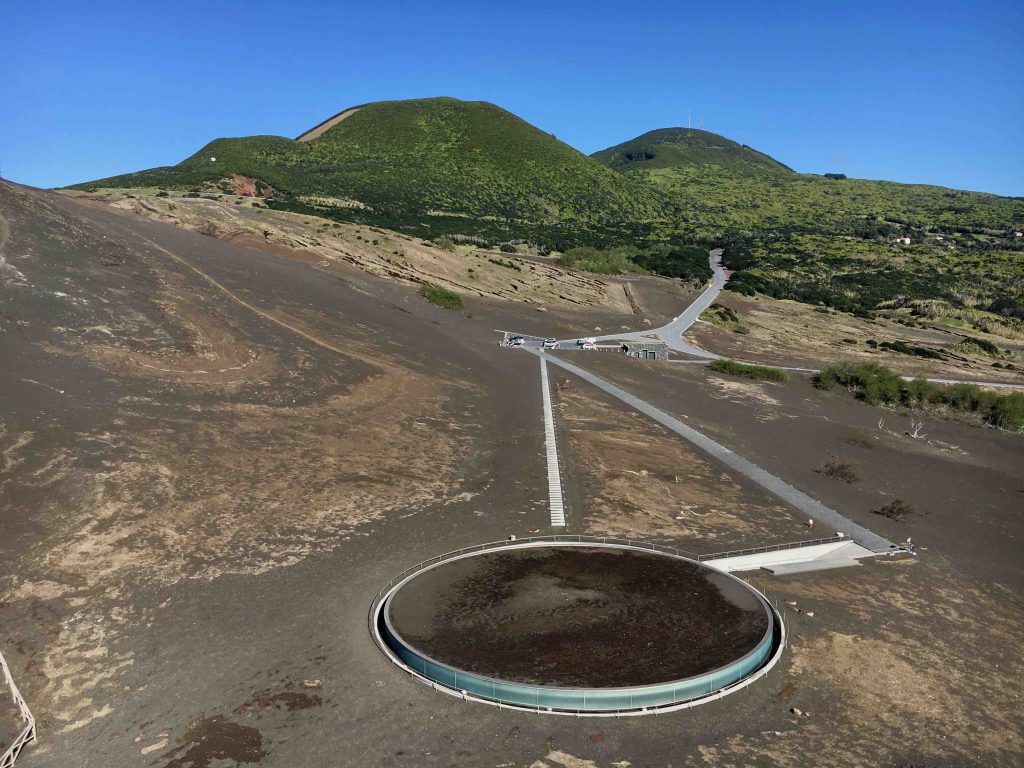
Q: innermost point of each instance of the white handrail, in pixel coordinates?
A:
(28, 734)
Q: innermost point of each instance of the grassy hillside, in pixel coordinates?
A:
(688, 147)
(426, 162)
(833, 241)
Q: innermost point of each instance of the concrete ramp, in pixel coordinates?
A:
(830, 552)
(825, 564)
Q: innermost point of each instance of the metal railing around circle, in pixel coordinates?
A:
(554, 538)
(581, 539)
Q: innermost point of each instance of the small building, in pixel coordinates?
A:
(646, 350)
(1018, 234)
(904, 240)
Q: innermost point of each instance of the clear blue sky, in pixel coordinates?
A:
(925, 91)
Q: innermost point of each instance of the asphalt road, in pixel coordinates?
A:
(672, 333)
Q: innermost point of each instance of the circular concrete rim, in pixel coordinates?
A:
(379, 604)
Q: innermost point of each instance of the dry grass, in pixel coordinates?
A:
(341, 246)
(648, 484)
(787, 332)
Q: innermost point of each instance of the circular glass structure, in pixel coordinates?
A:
(577, 627)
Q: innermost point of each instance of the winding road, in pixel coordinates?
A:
(672, 333)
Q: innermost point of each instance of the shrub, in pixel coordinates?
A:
(965, 397)
(921, 392)
(826, 378)
(723, 317)
(872, 382)
(897, 510)
(445, 243)
(841, 470)
(878, 385)
(507, 248)
(981, 348)
(435, 294)
(506, 264)
(608, 261)
(735, 368)
(912, 349)
(1008, 411)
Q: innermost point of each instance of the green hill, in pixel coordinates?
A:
(720, 185)
(833, 241)
(686, 147)
(421, 162)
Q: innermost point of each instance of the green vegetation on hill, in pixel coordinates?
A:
(680, 147)
(832, 240)
(427, 161)
(686, 262)
(473, 172)
(864, 276)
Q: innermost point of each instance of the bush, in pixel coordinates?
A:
(435, 294)
(981, 348)
(1008, 412)
(872, 382)
(912, 349)
(897, 510)
(764, 372)
(508, 248)
(878, 385)
(964, 397)
(826, 378)
(723, 317)
(922, 392)
(841, 470)
(607, 261)
(445, 243)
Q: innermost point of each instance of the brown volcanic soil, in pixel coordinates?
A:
(647, 484)
(202, 488)
(961, 478)
(578, 617)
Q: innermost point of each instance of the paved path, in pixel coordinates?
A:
(672, 334)
(813, 508)
(551, 451)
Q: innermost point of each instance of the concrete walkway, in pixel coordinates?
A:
(672, 334)
(837, 554)
(555, 500)
(813, 508)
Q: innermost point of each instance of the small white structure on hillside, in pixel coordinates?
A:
(903, 240)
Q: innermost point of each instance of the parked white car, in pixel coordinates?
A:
(550, 343)
(582, 342)
(588, 345)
